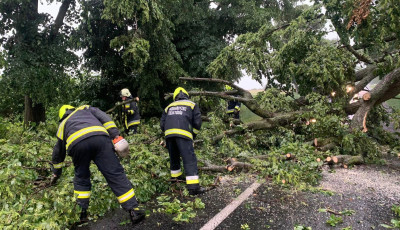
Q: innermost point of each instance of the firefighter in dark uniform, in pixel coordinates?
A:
(181, 122)
(233, 109)
(131, 113)
(87, 134)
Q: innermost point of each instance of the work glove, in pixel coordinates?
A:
(121, 146)
(163, 144)
(54, 179)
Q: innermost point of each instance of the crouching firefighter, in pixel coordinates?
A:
(87, 134)
(131, 113)
(180, 122)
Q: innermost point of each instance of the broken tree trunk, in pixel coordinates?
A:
(233, 164)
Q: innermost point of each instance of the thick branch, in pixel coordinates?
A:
(119, 104)
(358, 55)
(365, 45)
(389, 86)
(268, 123)
(386, 89)
(241, 91)
(60, 17)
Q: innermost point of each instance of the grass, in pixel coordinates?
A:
(247, 116)
(395, 103)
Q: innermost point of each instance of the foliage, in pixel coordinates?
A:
(334, 220)
(38, 62)
(301, 227)
(27, 202)
(184, 211)
(395, 222)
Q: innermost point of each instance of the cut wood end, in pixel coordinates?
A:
(398, 155)
(328, 159)
(315, 142)
(345, 166)
(234, 159)
(366, 96)
(289, 155)
(230, 168)
(283, 181)
(335, 159)
(318, 159)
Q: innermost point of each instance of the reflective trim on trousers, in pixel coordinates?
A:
(126, 196)
(176, 173)
(82, 194)
(59, 165)
(192, 179)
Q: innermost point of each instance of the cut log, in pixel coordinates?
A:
(349, 160)
(285, 157)
(366, 96)
(233, 164)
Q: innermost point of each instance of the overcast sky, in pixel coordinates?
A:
(245, 82)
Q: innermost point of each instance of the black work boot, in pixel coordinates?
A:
(84, 216)
(196, 191)
(137, 215)
(180, 178)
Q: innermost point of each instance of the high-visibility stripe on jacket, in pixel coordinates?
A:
(84, 122)
(181, 118)
(232, 106)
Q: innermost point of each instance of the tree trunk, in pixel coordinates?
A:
(33, 113)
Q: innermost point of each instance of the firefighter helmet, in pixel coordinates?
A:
(228, 87)
(64, 109)
(125, 93)
(178, 90)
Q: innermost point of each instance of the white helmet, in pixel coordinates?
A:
(125, 93)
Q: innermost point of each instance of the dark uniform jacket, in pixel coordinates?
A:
(84, 122)
(131, 113)
(181, 118)
(232, 106)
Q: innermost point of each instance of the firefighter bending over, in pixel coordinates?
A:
(87, 133)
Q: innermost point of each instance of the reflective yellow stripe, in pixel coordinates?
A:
(59, 165)
(195, 131)
(179, 131)
(237, 107)
(109, 125)
(127, 106)
(177, 103)
(82, 194)
(60, 131)
(230, 111)
(176, 174)
(126, 196)
(84, 131)
(135, 122)
(192, 179)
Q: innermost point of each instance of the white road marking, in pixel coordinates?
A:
(224, 213)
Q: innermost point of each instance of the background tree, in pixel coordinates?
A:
(37, 56)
